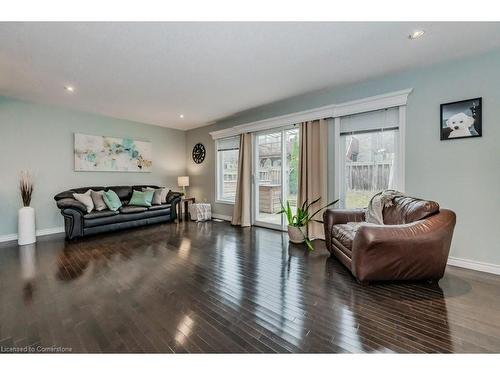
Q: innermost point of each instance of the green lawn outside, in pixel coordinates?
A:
(358, 199)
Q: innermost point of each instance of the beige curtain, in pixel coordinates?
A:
(312, 170)
(242, 204)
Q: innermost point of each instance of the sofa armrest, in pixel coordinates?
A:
(173, 208)
(73, 222)
(73, 212)
(418, 250)
(71, 203)
(335, 216)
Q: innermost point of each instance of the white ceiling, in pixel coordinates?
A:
(153, 72)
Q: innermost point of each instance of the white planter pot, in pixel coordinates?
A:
(26, 226)
(296, 234)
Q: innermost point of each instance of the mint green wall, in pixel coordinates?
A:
(463, 175)
(40, 138)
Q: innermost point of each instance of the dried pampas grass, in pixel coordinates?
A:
(26, 187)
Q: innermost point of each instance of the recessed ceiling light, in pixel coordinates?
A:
(416, 34)
(181, 116)
(69, 88)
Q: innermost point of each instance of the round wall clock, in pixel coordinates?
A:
(198, 153)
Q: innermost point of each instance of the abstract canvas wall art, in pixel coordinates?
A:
(98, 153)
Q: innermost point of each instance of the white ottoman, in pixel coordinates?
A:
(200, 211)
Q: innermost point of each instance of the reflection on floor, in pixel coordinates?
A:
(269, 218)
(211, 287)
(274, 218)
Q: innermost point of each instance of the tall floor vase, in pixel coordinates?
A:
(26, 226)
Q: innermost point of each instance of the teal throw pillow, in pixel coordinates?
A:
(141, 198)
(112, 200)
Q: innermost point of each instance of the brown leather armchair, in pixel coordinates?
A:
(413, 243)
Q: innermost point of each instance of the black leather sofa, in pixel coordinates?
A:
(79, 223)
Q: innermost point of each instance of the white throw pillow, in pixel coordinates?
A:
(86, 199)
(163, 196)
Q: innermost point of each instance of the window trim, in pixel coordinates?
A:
(218, 169)
(372, 103)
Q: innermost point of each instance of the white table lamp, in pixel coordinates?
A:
(183, 181)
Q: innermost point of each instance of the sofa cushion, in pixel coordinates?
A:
(139, 213)
(344, 233)
(98, 214)
(132, 209)
(160, 207)
(407, 210)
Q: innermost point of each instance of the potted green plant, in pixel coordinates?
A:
(297, 224)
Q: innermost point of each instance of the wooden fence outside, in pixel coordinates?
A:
(362, 176)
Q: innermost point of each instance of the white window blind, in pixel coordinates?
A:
(226, 144)
(368, 121)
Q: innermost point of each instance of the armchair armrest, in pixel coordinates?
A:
(335, 216)
(71, 203)
(414, 251)
(342, 216)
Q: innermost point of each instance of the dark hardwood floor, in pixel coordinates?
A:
(211, 287)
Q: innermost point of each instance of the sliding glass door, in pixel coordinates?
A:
(275, 175)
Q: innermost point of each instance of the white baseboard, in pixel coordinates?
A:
(39, 233)
(47, 231)
(222, 217)
(8, 237)
(474, 265)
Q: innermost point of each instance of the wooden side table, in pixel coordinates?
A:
(184, 207)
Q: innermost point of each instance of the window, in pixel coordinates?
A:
(227, 168)
(369, 156)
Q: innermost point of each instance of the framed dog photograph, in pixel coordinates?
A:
(461, 119)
